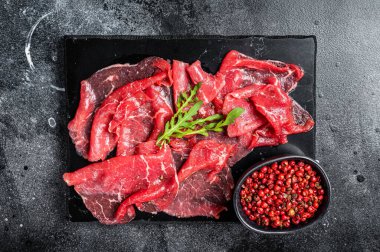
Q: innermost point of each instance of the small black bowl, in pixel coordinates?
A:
(322, 209)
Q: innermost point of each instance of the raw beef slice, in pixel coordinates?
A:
(93, 91)
(285, 115)
(181, 82)
(211, 84)
(162, 108)
(235, 79)
(109, 189)
(250, 119)
(241, 144)
(198, 196)
(265, 136)
(205, 181)
(206, 155)
(132, 123)
(287, 74)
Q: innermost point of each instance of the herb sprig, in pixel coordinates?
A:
(182, 124)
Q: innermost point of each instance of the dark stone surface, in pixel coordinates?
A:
(32, 200)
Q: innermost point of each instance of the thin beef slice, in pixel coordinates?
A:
(140, 118)
(181, 81)
(287, 75)
(162, 108)
(241, 144)
(132, 123)
(211, 84)
(285, 115)
(109, 189)
(250, 119)
(205, 181)
(198, 196)
(235, 79)
(206, 155)
(265, 136)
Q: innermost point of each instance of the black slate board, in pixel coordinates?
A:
(84, 55)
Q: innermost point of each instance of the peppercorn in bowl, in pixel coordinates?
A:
(282, 195)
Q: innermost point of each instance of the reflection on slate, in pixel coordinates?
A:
(84, 55)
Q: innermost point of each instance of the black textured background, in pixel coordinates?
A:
(32, 119)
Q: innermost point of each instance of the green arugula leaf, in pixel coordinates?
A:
(235, 113)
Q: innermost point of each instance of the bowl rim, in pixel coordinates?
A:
(259, 165)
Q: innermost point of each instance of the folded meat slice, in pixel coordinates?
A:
(285, 115)
(211, 84)
(109, 189)
(96, 88)
(198, 196)
(241, 144)
(302, 120)
(154, 206)
(265, 136)
(165, 66)
(102, 142)
(132, 123)
(205, 181)
(250, 119)
(234, 79)
(181, 81)
(162, 108)
(181, 149)
(236, 59)
(140, 118)
(288, 75)
(240, 78)
(206, 155)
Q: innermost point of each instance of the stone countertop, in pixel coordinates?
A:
(33, 122)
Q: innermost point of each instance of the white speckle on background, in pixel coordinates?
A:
(26, 76)
(21, 225)
(57, 88)
(29, 41)
(203, 53)
(6, 219)
(52, 122)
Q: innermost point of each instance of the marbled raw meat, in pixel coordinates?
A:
(211, 84)
(132, 123)
(285, 115)
(162, 108)
(111, 188)
(181, 81)
(205, 181)
(250, 119)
